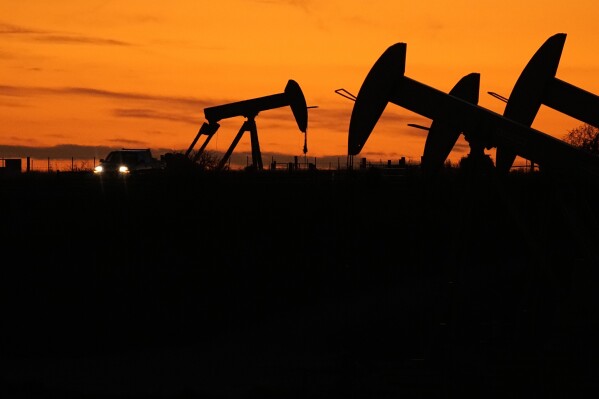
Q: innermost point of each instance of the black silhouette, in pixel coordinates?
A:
(538, 85)
(292, 96)
(585, 137)
(386, 82)
(332, 284)
(443, 135)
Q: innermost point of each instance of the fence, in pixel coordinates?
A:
(73, 164)
(16, 165)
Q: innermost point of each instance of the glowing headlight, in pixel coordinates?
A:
(98, 169)
(123, 169)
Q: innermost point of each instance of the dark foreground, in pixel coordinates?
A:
(318, 285)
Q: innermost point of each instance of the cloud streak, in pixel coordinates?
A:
(27, 33)
(191, 108)
(152, 114)
(64, 151)
(34, 91)
(68, 151)
(17, 30)
(63, 39)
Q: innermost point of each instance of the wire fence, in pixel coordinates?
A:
(28, 164)
(73, 164)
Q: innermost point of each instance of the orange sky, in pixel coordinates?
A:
(133, 73)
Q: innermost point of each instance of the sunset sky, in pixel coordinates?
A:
(80, 77)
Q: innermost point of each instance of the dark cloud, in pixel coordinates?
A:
(68, 151)
(152, 114)
(16, 91)
(31, 91)
(329, 118)
(55, 152)
(17, 30)
(128, 142)
(64, 39)
(399, 121)
(91, 92)
(56, 37)
(335, 118)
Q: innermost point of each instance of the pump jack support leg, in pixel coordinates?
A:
(193, 143)
(227, 155)
(256, 155)
(208, 129)
(201, 150)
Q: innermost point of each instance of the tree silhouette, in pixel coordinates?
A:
(585, 137)
(177, 161)
(207, 160)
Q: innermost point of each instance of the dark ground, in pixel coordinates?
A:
(304, 285)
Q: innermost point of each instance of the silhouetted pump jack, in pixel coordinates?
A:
(292, 96)
(538, 85)
(386, 82)
(443, 134)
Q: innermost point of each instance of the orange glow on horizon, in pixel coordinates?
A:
(139, 73)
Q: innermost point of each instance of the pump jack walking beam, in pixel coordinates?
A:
(386, 83)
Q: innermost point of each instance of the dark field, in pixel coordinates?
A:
(303, 285)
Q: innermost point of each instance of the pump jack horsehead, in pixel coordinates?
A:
(292, 97)
(452, 114)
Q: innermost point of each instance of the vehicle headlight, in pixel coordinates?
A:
(98, 169)
(123, 169)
